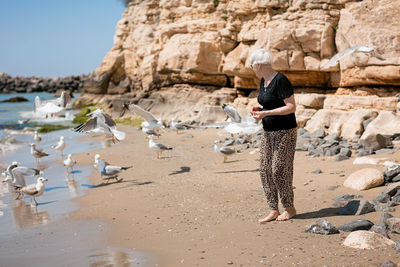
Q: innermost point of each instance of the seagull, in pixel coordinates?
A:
(37, 152)
(69, 163)
(51, 106)
(151, 122)
(157, 146)
(100, 122)
(34, 190)
(10, 185)
(357, 48)
(18, 174)
(149, 132)
(176, 125)
(108, 170)
(238, 125)
(23, 121)
(224, 151)
(59, 146)
(232, 113)
(37, 138)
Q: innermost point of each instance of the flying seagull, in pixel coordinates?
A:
(108, 170)
(150, 123)
(238, 125)
(157, 147)
(224, 151)
(357, 48)
(52, 106)
(101, 122)
(232, 113)
(34, 190)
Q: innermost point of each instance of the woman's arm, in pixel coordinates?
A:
(288, 108)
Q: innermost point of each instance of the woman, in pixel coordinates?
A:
(278, 141)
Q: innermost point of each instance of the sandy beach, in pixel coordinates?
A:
(188, 209)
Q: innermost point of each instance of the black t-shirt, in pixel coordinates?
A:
(272, 97)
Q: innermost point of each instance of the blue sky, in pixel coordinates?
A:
(56, 38)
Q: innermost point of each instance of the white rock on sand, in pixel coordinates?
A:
(367, 240)
(364, 179)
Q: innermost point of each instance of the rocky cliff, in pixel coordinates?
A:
(161, 43)
(185, 57)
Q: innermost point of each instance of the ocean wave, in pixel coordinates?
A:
(41, 117)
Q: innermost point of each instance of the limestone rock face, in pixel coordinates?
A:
(356, 23)
(162, 43)
(364, 179)
(367, 240)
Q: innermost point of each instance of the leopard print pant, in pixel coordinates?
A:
(276, 166)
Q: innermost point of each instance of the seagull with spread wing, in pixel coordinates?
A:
(53, 106)
(239, 125)
(101, 122)
(16, 176)
(150, 123)
(232, 113)
(357, 48)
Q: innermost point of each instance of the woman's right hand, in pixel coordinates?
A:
(255, 108)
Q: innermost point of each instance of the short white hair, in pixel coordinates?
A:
(261, 56)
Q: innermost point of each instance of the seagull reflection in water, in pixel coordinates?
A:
(26, 216)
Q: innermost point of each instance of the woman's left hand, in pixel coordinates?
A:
(259, 114)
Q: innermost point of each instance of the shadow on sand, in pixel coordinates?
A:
(182, 170)
(326, 212)
(255, 170)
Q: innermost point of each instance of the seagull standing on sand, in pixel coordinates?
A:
(36, 137)
(34, 190)
(37, 153)
(59, 146)
(357, 48)
(108, 170)
(224, 151)
(151, 122)
(101, 122)
(176, 125)
(69, 163)
(159, 148)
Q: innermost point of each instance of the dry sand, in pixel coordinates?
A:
(208, 216)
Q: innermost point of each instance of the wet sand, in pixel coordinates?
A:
(191, 210)
(44, 235)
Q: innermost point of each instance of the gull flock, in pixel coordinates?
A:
(100, 123)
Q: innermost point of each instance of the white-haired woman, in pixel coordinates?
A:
(278, 141)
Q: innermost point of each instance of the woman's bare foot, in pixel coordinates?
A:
(287, 214)
(271, 216)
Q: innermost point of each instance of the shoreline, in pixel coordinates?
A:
(57, 237)
(208, 216)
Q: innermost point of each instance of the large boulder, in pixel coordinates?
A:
(367, 240)
(364, 179)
